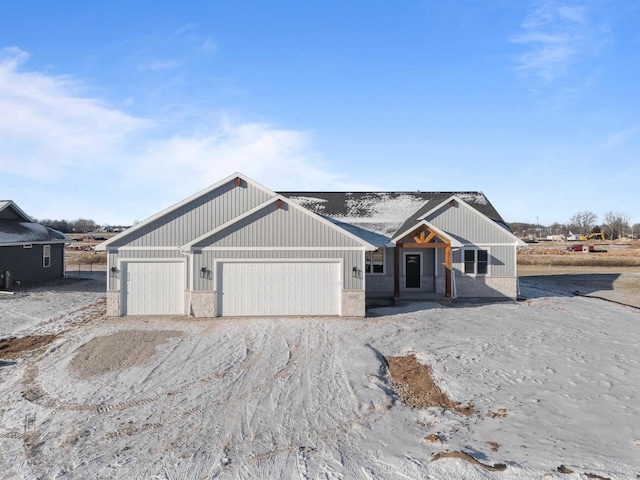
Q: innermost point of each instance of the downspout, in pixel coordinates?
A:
(454, 290)
(515, 266)
(190, 281)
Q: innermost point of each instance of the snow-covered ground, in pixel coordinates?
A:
(554, 381)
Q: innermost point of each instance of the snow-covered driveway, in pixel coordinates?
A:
(554, 381)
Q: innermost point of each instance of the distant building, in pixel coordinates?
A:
(30, 253)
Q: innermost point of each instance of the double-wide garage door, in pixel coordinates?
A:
(278, 288)
(152, 288)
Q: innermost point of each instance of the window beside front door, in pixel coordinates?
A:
(374, 261)
(476, 262)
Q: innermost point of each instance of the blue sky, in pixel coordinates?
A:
(115, 110)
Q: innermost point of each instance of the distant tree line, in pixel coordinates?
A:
(81, 225)
(614, 225)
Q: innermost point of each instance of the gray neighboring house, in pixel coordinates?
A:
(240, 249)
(30, 253)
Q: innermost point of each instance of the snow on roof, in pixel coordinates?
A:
(383, 213)
(362, 232)
(13, 231)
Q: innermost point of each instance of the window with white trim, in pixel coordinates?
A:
(374, 261)
(46, 256)
(476, 262)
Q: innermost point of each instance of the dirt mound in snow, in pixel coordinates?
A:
(413, 382)
(498, 467)
(118, 351)
(13, 347)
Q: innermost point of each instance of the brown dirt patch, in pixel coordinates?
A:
(118, 351)
(13, 347)
(498, 467)
(413, 382)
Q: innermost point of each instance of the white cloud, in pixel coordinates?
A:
(157, 65)
(278, 158)
(556, 35)
(50, 134)
(45, 122)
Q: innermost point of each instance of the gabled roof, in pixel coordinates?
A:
(273, 198)
(262, 206)
(17, 228)
(10, 206)
(385, 213)
(412, 224)
(430, 207)
(166, 211)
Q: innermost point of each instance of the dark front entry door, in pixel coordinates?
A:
(412, 270)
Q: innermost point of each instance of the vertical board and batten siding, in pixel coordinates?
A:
(502, 261)
(468, 227)
(279, 227)
(350, 259)
(197, 217)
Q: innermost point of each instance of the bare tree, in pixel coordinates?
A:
(83, 225)
(616, 224)
(583, 221)
(557, 229)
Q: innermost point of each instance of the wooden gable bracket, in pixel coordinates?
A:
(423, 237)
(279, 203)
(238, 181)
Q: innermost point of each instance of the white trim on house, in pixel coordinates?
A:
(475, 249)
(384, 261)
(275, 249)
(230, 178)
(217, 261)
(43, 242)
(120, 261)
(190, 246)
(10, 203)
(454, 243)
(147, 248)
(519, 242)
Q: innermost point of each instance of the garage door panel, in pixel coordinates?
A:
(153, 288)
(279, 288)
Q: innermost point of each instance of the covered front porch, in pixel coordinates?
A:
(422, 266)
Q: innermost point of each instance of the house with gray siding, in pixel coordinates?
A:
(428, 244)
(30, 253)
(240, 249)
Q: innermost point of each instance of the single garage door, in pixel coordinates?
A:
(152, 288)
(278, 288)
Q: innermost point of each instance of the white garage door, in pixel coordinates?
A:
(152, 288)
(278, 288)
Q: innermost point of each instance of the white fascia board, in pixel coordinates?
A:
(292, 203)
(39, 242)
(230, 178)
(190, 246)
(519, 242)
(454, 243)
(187, 247)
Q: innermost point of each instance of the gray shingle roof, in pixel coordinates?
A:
(17, 227)
(385, 213)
